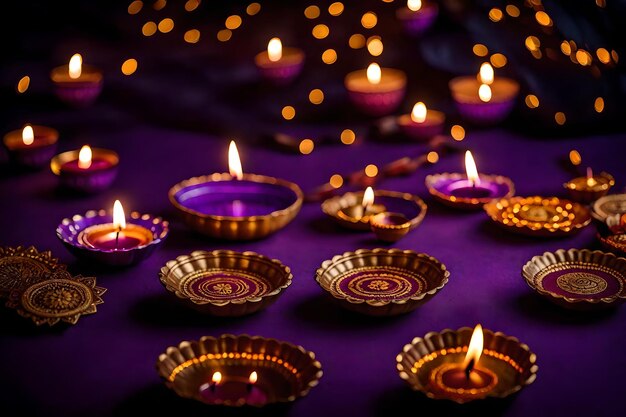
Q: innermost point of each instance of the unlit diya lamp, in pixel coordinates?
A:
(86, 170)
(589, 188)
(376, 91)
(418, 16)
(77, 84)
(468, 191)
(422, 123)
(32, 146)
(279, 65)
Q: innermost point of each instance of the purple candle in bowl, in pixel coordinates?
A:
(279, 65)
(109, 239)
(422, 123)
(469, 191)
(76, 84)
(88, 170)
(376, 91)
(236, 206)
(32, 146)
(418, 16)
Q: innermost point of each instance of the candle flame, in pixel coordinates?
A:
(216, 378)
(368, 197)
(84, 157)
(234, 163)
(119, 220)
(475, 348)
(253, 377)
(418, 115)
(28, 135)
(591, 181)
(76, 66)
(470, 168)
(414, 5)
(486, 73)
(275, 49)
(373, 73)
(484, 93)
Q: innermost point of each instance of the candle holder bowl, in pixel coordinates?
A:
(283, 71)
(539, 216)
(581, 192)
(578, 278)
(472, 109)
(382, 282)
(88, 181)
(78, 93)
(70, 232)
(285, 371)
(612, 235)
(422, 131)
(202, 200)
(608, 205)
(32, 157)
(21, 267)
(441, 187)
(418, 22)
(411, 206)
(512, 361)
(224, 282)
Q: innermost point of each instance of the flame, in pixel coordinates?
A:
(28, 135)
(373, 73)
(368, 197)
(414, 5)
(84, 157)
(484, 93)
(275, 49)
(76, 66)
(470, 168)
(475, 348)
(234, 163)
(216, 378)
(418, 115)
(253, 377)
(590, 180)
(119, 220)
(486, 73)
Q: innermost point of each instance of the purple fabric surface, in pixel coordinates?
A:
(105, 365)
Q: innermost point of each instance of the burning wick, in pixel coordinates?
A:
(474, 350)
(472, 171)
(119, 220)
(215, 379)
(251, 381)
(590, 180)
(368, 200)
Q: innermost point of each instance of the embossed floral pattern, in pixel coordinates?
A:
(222, 288)
(378, 285)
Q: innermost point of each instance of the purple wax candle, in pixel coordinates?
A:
(96, 165)
(108, 237)
(470, 189)
(87, 170)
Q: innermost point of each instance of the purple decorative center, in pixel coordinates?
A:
(224, 285)
(462, 188)
(379, 283)
(584, 281)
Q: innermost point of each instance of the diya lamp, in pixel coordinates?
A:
(234, 205)
(107, 238)
(484, 99)
(376, 91)
(418, 16)
(88, 170)
(357, 212)
(32, 146)
(77, 84)
(279, 65)
(589, 188)
(468, 191)
(422, 123)
(233, 390)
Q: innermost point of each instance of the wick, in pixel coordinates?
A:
(469, 368)
(117, 237)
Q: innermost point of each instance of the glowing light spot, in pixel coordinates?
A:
(512, 10)
(224, 35)
(414, 5)
(348, 137)
(316, 96)
(559, 118)
(191, 5)
(532, 43)
(336, 8)
(369, 20)
(543, 19)
(192, 36)
(253, 8)
(371, 170)
(532, 101)
(457, 132)
(320, 31)
(498, 60)
(375, 46)
(536, 54)
(575, 158)
(233, 22)
(149, 29)
(601, 3)
(135, 7)
(159, 4)
(486, 74)
(603, 55)
(166, 25)
(432, 157)
(480, 50)
(129, 66)
(288, 112)
(583, 57)
(23, 84)
(614, 56)
(566, 48)
(329, 56)
(495, 14)
(598, 105)
(336, 181)
(356, 41)
(312, 12)
(306, 146)
(484, 93)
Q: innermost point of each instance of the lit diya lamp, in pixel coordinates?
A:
(233, 390)
(353, 210)
(469, 191)
(422, 123)
(32, 146)
(279, 65)
(77, 84)
(418, 16)
(589, 188)
(236, 206)
(444, 366)
(109, 239)
(376, 91)
(484, 99)
(86, 170)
